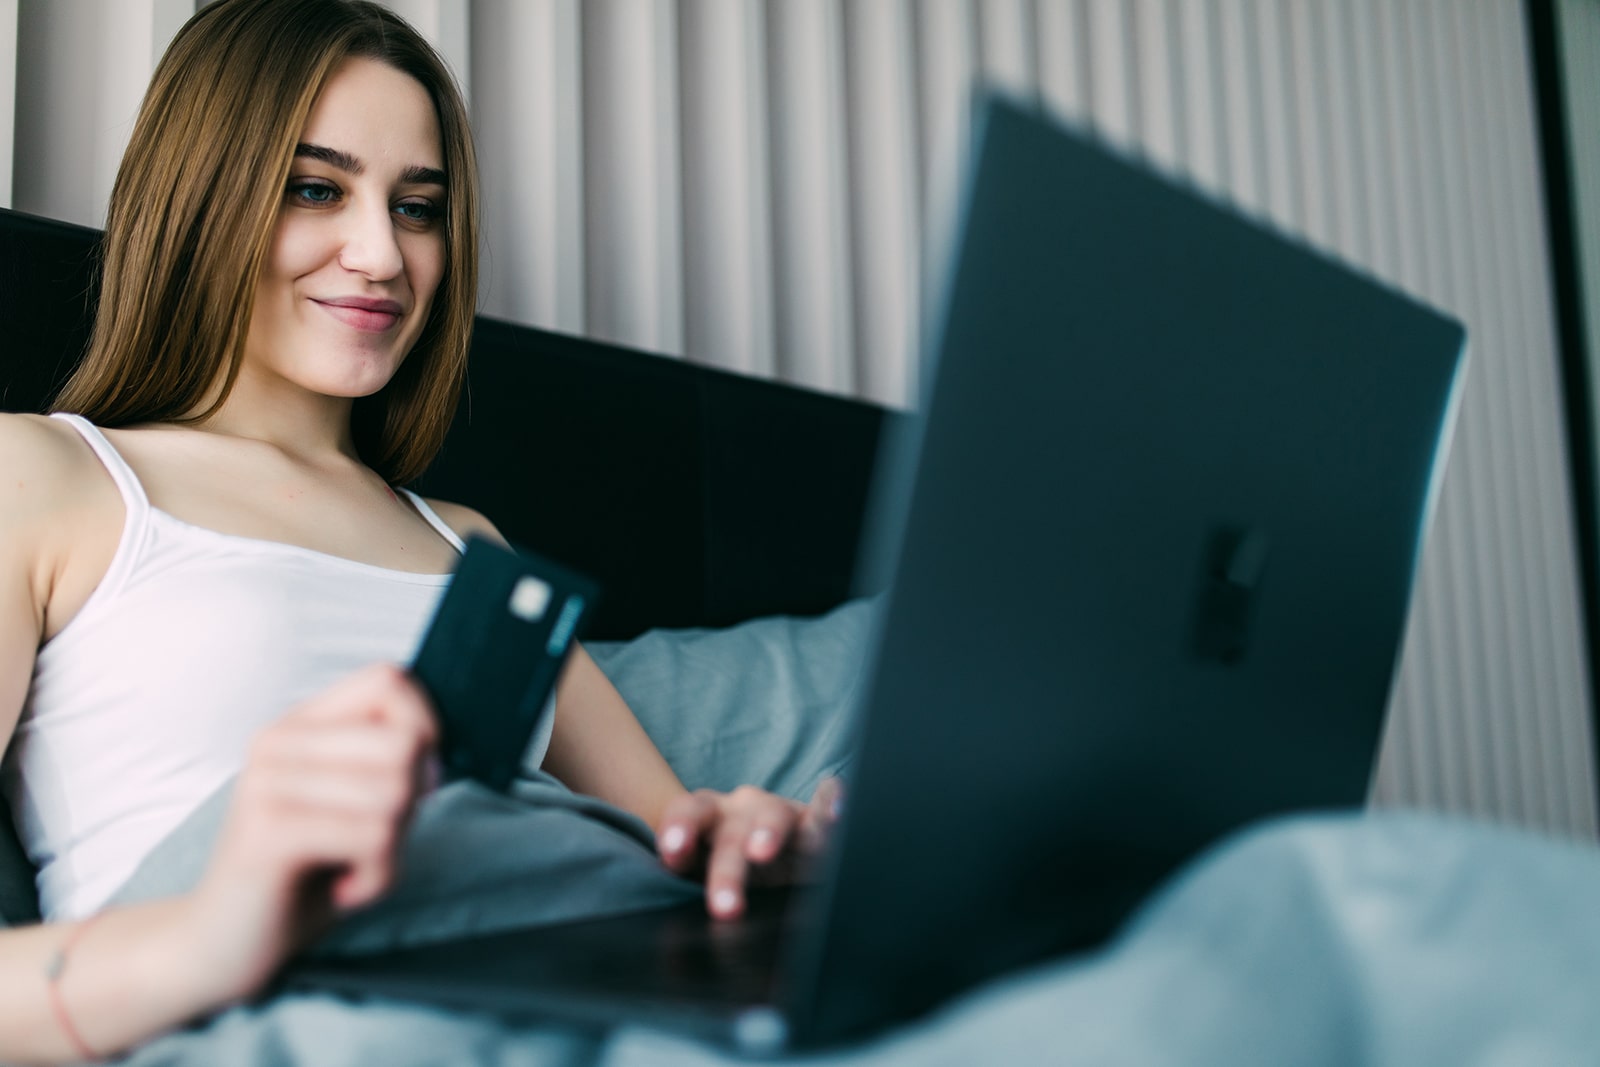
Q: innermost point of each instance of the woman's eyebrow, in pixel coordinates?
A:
(422, 176)
(338, 157)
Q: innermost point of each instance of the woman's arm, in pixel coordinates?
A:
(597, 745)
(125, 977)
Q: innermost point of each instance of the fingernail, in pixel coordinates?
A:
(761, 840)
(724, 901)
(836, 809)
(673, 839)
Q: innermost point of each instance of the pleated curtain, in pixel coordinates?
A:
(768, 186)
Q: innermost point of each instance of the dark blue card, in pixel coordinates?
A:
(493, 652)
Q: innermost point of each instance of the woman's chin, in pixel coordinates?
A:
(364, 380)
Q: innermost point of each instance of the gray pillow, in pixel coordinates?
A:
(766, 702)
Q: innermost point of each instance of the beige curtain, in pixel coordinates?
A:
(766, 185)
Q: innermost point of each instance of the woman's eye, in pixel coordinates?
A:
(313, 192)
(418, 210)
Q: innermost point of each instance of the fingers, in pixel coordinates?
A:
(738, 836)
(381, 693)
(684, 824)
(726, 873)
(377, 718)
(294, 820)
(331, 786)
(359, 786)
(361, 850)
(360, 746)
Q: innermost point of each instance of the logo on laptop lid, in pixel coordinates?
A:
(1233, 566)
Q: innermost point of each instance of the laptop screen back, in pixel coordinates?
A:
(1150, 555)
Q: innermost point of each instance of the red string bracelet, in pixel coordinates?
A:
(53, 972)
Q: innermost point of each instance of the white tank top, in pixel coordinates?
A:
(146, 702)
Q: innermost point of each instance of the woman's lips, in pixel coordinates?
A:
(369, 316)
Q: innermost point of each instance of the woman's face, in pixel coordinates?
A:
(358, 248)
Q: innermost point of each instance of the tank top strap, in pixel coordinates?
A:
(128, 483)
(434, 520)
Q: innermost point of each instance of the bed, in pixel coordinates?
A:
(722, 516)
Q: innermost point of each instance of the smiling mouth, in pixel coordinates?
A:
(368, 316)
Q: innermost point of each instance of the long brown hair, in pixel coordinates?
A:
(195, 202)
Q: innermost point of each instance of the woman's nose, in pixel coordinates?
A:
(370, 247)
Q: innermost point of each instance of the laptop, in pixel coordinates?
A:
(1148, 549)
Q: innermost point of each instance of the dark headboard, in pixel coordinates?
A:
(696, 497)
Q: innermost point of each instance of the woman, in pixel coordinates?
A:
(206, 575)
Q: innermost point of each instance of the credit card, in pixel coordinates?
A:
(493, 652)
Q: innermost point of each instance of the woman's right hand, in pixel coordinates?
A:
(315, 827)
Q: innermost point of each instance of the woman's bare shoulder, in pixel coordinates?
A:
(47, 465)
(465, 521)
(54, 501)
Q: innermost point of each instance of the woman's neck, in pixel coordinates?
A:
(293, 419)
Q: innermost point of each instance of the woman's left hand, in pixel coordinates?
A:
(746, 837)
